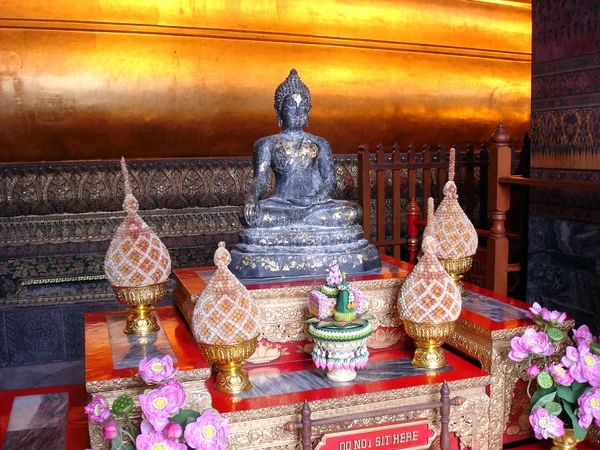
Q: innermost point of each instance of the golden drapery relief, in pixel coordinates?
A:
(145, 78)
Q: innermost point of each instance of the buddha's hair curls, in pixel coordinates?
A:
(291, 85)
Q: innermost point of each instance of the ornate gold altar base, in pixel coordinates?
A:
(283, 305)
(264, 428)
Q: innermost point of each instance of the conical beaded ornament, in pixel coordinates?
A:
(430, 220)
(452, 229)
(225, 313)
(429, 295)
(136, 256)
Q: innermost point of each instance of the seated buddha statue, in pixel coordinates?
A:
(303, 169)
(299, 229)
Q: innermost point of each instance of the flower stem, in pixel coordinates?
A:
(131, 429)
(130, 436)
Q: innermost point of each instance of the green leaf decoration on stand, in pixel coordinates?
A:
(553, 408)
(555, 334)
(540, 393)
(577, 430)
(543, 400)
(595, 348)
(545, 380)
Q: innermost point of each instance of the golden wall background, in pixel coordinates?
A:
(99, 79)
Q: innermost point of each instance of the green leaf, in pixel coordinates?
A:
(577, 430)
(183, 415)
(130, 447)
(117, 443)
(553, 408)
(580, 389)
(545, 380)
(539, 393)
(566, 393)
(595, 348)
(555, 334)
(543, 400)
(576, 386)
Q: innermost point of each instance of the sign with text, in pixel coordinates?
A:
(414, 435)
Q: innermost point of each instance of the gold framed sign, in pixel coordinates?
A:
(413, 435)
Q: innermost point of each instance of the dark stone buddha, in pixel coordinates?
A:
(299, 229)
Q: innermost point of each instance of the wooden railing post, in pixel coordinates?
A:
(498, 204)
(364, 188)
(412, 214)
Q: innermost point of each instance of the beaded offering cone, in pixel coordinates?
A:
(137, 266)
(226, 325)
(429, 304)
(454, 231)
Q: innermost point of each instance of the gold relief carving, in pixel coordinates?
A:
(284, 310)
(264, 428)
(198, 376)
(593, 435)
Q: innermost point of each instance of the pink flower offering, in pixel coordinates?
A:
(560, 375)
(533, 371)
(531, 342)
(110, 430)
(173, 431)
(160, 404)
(589, 408)
(97, 410)
(553, 316)
(208, 432)
(535, 310)
(155, 370)
(583, 365)
(583, 333)
(154, 440)
(545, 425)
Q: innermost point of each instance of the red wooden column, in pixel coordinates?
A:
(498, 204)
(412, 214)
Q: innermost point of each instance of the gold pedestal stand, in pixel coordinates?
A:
(428, 338)
(140, 299)
(456, 268)
(567, 441)
(228, 360)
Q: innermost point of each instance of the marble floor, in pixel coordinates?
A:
(42, 375)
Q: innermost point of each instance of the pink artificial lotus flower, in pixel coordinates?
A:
(97, 410)
(531, 342)
(589, 408)
(535, 310)
(561, 376)
(533, 371)
(153, 439)
(160, 404)
(156, 370)
(173, 430)
(553, 316)
(583, 333)
(583, 365)
(110, 430)
(208, 432)
(545, 425)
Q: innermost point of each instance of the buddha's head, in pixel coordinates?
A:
(292, 102)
